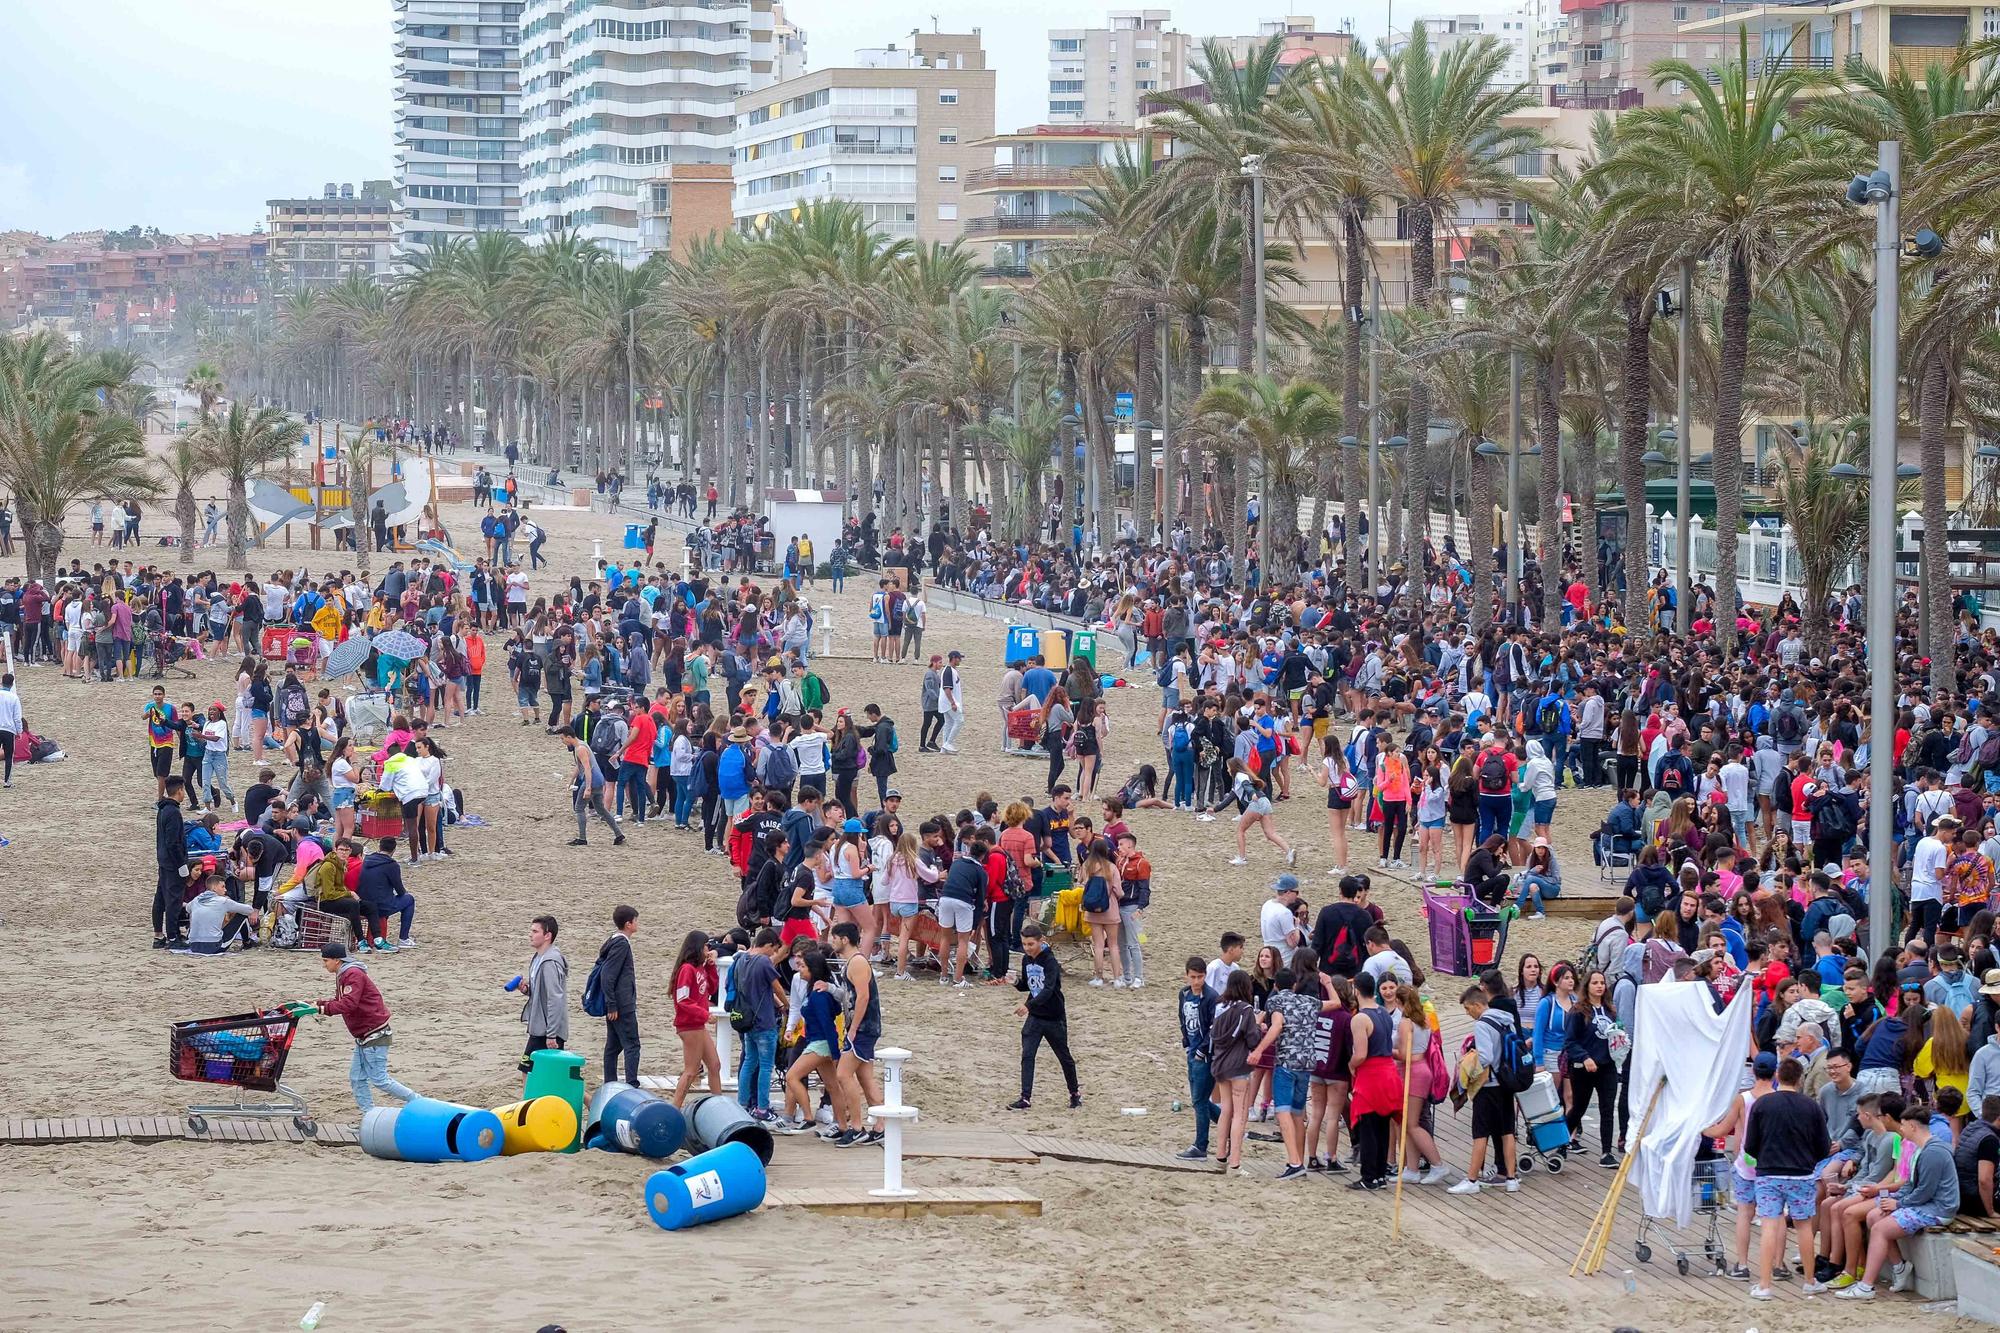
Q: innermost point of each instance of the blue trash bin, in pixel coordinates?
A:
(634, 538)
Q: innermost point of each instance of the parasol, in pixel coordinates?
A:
(347, 658)
(401, 645)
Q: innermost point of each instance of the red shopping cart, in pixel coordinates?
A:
(246, 1052)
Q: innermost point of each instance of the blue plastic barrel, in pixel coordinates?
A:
(1023, 642)
(633, 540)
(429, 1130)
(636, 1121)
(720, 1183)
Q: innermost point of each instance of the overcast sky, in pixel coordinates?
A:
(188, 114)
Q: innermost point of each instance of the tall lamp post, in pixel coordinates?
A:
(1684, 435)
(1253, 171)
(1881, 188)
(1514, 452)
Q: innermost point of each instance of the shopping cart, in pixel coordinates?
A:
(243, 1051)
(1711, 1201)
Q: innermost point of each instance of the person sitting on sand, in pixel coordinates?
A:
(214, 918)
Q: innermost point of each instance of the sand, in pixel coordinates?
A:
(223, 1237)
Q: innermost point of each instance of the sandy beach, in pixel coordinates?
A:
(191, 1236)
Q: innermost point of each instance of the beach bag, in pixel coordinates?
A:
(593, 992)
(1440, 1075)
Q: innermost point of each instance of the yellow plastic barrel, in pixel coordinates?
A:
(540, 1124)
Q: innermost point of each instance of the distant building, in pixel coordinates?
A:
(894, 133)
(1300, 36)
(689, 201)
(1613, 45)
(1037, 195)
(1513, 28)
(1100, 76)
(132, 289)
(323, 240)
(617, 93)
(458, 119)
(788, 45)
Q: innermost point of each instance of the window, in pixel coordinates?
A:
(947, 213)
(1927, 29)
(1142, 64)
(947, 174)
(949, 135)
(1680, 13)
(1065, 44)
(947, 97)
(1712, 12)
(1065, 85)
(1066, 107)
(1680, 50)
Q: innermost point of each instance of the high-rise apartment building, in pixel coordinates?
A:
(1513, 28)
(1101, 76)
(1300, 36)
(1613, 45)
(788, 41)
(323, 240)
(458, 116)
(895, 133)
(616, 93)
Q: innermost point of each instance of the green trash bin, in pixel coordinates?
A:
(1083, 646)
(554, 1073)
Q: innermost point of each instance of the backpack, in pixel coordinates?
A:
(1589, 955)
(1493, 775)
(1013, 883)
(781, 769)
(1096, 895)
(1165, 675)
(1989, 753)
(1180, 738)
(1787, 727)
(1548, 718)
(1833, 817)
(1658, 961)
(1671, 777)
(593, 992)
(1513, 1071)
(895, 741)
(604, 738)
(739, 1016)
(293, 705)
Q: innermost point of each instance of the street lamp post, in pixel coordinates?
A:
(1253, 168)
(1882, 190)
(1683, 533)
(1374, 571)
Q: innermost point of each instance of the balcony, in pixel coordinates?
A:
(1776, 64)
(1030, 178)
(1027, 224)
(994, 272)
(1576, 97)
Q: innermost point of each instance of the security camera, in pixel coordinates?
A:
(1664, 303)
(1356, 316)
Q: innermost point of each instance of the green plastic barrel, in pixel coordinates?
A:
(558, 1074)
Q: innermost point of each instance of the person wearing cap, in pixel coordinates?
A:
(1952, 987)
(358, 1004)
(951, 697)
(1279, 919)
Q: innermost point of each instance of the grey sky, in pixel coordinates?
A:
(188, 114)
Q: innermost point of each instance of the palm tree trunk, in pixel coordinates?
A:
(1478, 541)
(185, 514)
(1145, 374)
(360, 486)
(239, 522)
(1197, 358)
(1583, 485)
(1423, 275)
(761, 468)
(1548, 492)
(1933, 428)
(1729, 446)
(1638, 307)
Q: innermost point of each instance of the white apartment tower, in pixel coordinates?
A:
(1102, 76)
(616, 93)
(458, 108)
(1514, 28)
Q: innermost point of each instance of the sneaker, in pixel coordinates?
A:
(904, 976)
(1841, 1282)
(1412, 1177)
(1096, 981)
(1381, 863)
(1737, 1273)
(963, 983)
(785, 1125)
(1859, 1291)
(1204, 818)
(1018, 1104)
(1119, 983)
(383, 946)
(1465, 1187)
(618, 841)
(577, 842)
(1760, 1293)
(1513, 1184)
(406, 943)
(1437, 1175)
(763, 1116)
(849, 1139)
(1398, 864)
(1239, 861)
(1137, 983)
(1902, 1277)
(871, 1138)
(1192, 1155)
(1314, 1164)
(1336, 1167)
(1812, 1288)
(1292, 1173)
(1609, 1161)
(1076, 1101)
(159, 941)
(1291, 856)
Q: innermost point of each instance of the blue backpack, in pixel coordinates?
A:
(593, 992)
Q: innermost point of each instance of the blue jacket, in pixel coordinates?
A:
(1549, 1029)
(732, 774)
(381, 881)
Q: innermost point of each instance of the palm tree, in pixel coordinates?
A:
(1435, 133)
(1828, 514)
(205, 383)
(1287, 427)
(61, 441)
(245, 441)
(1722, 169)
(184, 463)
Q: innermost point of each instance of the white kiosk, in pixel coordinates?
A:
(815, 515)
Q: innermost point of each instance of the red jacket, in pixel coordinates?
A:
(357, 1001)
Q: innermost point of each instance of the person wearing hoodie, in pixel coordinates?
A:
(380, 888)
(360, 1005)
(545, 990)
(170, 859)
(1539, 776)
